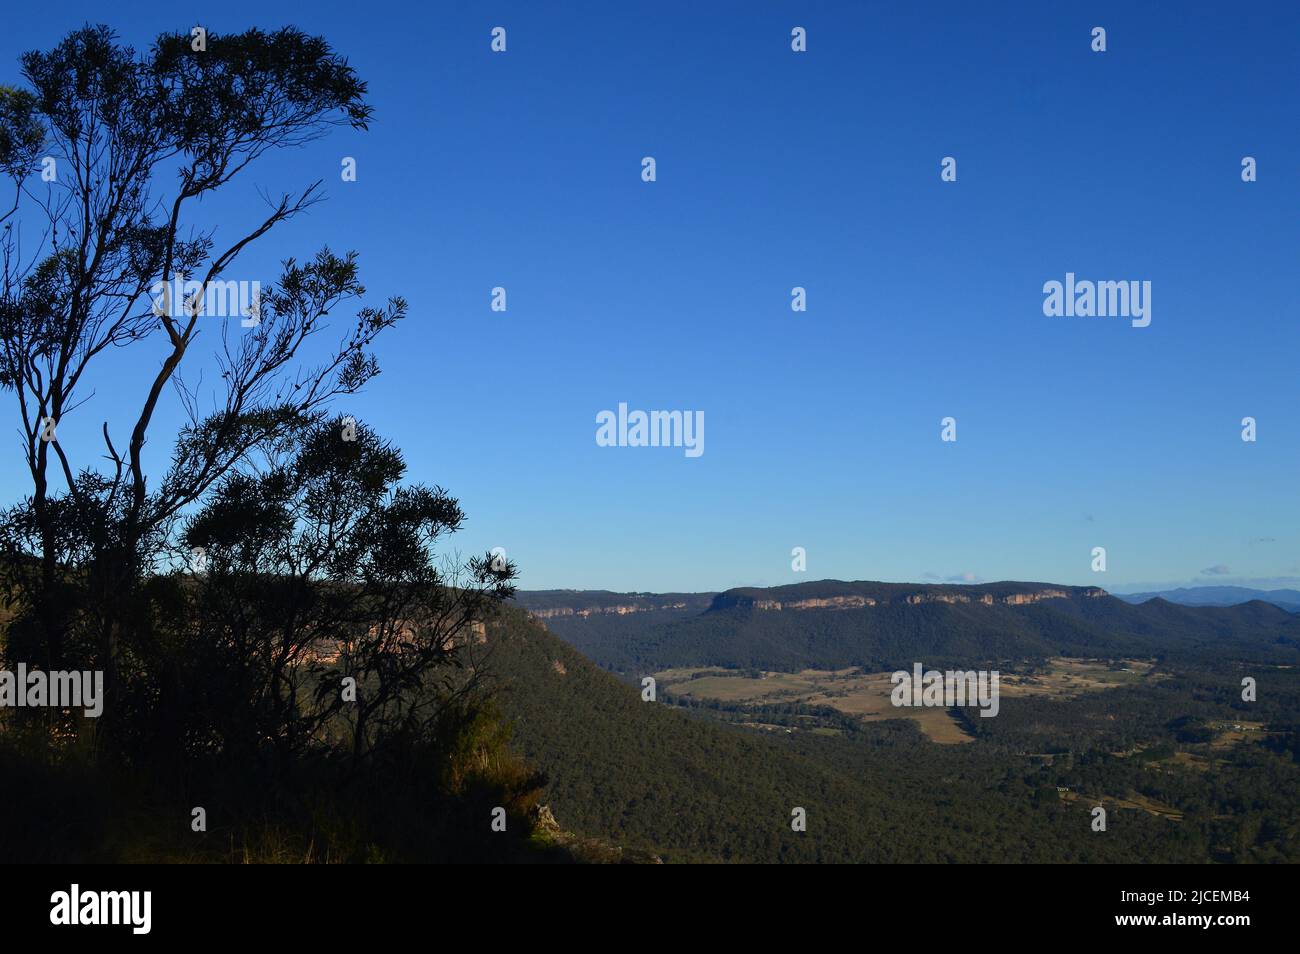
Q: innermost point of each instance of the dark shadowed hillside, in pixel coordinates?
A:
(647, 775)
(1288, 600)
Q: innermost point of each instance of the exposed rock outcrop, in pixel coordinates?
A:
(619, 610)
(897, 593)
(583, 850)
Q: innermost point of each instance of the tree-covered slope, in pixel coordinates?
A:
(650, 776)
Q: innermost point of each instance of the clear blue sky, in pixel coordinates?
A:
(820, 169)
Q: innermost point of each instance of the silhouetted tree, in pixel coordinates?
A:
(318, 569)
(269, 610)
(133, 142)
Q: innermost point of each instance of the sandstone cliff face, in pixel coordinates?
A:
(915, 599)
(618, 610)
(832, 602)
(728, 600)
(327, 651)
(1011, 599)
(876, 595)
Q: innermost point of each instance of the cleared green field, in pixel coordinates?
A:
(867, 695)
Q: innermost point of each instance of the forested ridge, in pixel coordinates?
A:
(694, 787)
(735, 632)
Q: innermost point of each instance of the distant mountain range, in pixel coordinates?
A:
(834, 624)
(1289, 600)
